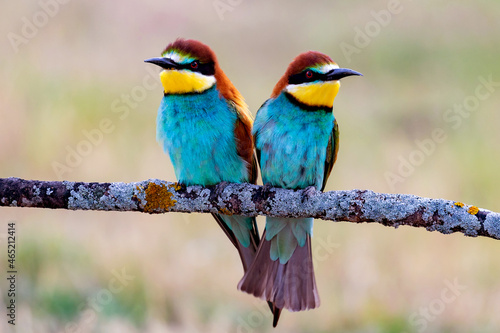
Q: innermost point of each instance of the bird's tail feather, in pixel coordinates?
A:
(291, 285)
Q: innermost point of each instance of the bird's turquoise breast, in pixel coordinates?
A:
(292, 143)
(197, 131)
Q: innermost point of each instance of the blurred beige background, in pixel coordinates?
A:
(68, 67)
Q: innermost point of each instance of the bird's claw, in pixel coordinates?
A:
(221, 187)
(308, 193)
(223, 184)
(266, 189)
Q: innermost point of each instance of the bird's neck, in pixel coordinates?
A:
(315, 94)
(184, 81)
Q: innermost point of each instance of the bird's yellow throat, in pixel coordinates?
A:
(183, 81)
(315, 94)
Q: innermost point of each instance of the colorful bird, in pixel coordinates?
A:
(205, 126)
(297, 138)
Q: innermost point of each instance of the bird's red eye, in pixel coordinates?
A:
(309, 74)
(194, 64)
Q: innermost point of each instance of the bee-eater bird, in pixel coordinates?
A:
(297, 138)
(205, 126)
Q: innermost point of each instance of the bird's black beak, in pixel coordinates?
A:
(338, 73)
(164, 63)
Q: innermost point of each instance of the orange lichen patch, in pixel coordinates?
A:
(158, 197)
(473, 210)
(225, 211)
(139, 189)
(458, 204)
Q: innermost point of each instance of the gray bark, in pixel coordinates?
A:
(156, 196)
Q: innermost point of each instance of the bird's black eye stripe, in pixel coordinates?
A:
(306, 76)
(205, 69)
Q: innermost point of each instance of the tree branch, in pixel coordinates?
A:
(156, 196)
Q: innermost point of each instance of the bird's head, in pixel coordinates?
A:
(189, 66)
(312, 78)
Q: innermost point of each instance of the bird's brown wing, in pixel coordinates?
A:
(331, 152)
(245, 145)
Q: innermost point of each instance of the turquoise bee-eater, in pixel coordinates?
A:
(297, 138)
(204, 125)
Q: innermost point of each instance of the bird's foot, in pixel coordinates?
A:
(223, 184)
(219, 188)
(266, 190)
(308, 193)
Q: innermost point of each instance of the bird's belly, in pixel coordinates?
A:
(295, 168)
(202, 150)
(293, 149)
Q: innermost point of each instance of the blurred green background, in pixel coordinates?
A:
(83, 64)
